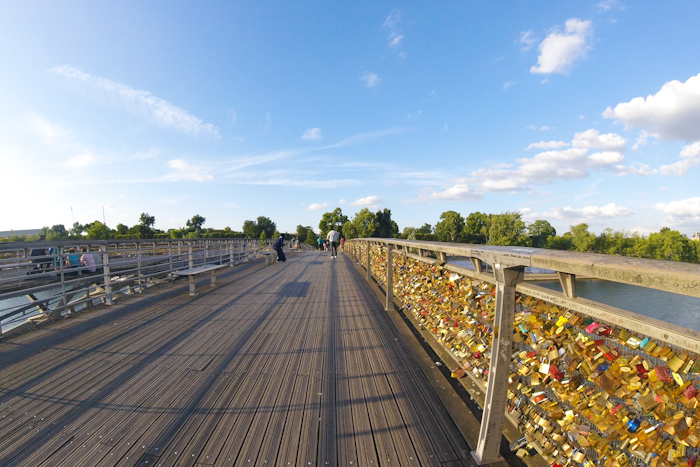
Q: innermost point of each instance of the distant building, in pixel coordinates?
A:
(9, 233)
(696, 237)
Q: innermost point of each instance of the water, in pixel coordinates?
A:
(665, 306)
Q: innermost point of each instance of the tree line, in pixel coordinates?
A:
(509, 229)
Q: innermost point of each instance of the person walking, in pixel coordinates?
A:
(320, 242)
(279, 243)
(333, 238)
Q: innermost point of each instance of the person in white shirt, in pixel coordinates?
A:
(333, 238)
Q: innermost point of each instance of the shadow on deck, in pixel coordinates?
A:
(290, 364)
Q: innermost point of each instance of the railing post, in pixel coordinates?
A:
(369, 273)
(170, 259)
(487, 449)
(190, 257)
(107, 278)
(138, 266)
(568, 284)
(389, 305)
(60, 251)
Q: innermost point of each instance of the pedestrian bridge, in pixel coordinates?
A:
(322, 361)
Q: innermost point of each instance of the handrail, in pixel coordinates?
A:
(53, 286)
(595, 344)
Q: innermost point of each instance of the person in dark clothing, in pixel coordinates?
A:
(279, 243)
(40, 264)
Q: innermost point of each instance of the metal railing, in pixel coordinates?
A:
(40, 279)
(579, 381)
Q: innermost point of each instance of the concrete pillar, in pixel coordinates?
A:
(369, 262)
(568, 284)
(487, 450)
(107, 279)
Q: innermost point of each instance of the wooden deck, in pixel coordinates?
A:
(294, 363)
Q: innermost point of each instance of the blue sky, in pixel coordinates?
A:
(569, 111)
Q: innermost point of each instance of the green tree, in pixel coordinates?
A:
(147, 220)
(266, 225)
(581, 238)
(301, 233)
(332, 220)
(363, 225)
(195, 223)
(540, 231)
(57, 232)
(98, 231)
(122, 229)
(250, 229)
(386, 228)
(476, 228)
(409, 233)
(77, 230)
(450, 228)
(670, 245)
(507, 229)
(559, 242)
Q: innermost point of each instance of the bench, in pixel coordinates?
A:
(270, 256)
(199, 270)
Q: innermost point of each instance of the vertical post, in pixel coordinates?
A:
(107, 278)
(487, 449)
(369, 271)
(60, 252)
(231, 244)
(568, 284)
(138, 267)
(170, 260)
(190, 257)
(389, 305)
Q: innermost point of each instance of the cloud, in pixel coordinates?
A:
(547, 145)
(508, 84)
(371, 80)
(527, 40)
(559, 51)
(672, 113)
(312, 134)
(82, 160)
(183, 170)
(592, 139)
(48, 132)
(317, 206)
(591, 213)
(607, 5)
(341, 202)
(371, 202)
(369, 136)
(395, 37)
(682, 211)
(457, 192)
(690, 157)
(158, 111)
(543, 128)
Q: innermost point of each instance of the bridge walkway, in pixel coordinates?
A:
(294, 363)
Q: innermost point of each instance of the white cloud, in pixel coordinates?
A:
(547, 145)
(672, 113)
(690, 157)
(591, 213)
(80, 161)
(183, 170)
(341, 202)
(607, 5)
(542, 128)
(508, 84)
(592, 139)
(143, 103)
(527, 40)
(317, 206)
(371, 80)
(371, 202)
(560, 50)
(458, 192)
(395, 37)
(50, 133)
(682, 211)
(312, 134)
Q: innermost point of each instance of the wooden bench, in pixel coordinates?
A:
(199, 270)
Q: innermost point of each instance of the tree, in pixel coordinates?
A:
(507, 229)
(195, 223)
(363, 225)
(77, 230)
(671, 245)
(476, 228)
(250, 229)
(122, 229)
(332, 220)
(301, 233)
(57, 232)
(98, 231)
(450, 228)
(426, 229)
(266, 225)
(409, 233)
(539, 232)
(386, 228)
(581, 238)
(147, 220)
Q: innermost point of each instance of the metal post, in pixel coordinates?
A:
(138, 267)
(389, 279)
(107, 278)
(487, 449)
(369, 273)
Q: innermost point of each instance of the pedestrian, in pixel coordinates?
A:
(87, 260)
(342, 243)
(320, 243)
(332, 238)
(279, 243)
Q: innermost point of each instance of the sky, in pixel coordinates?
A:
(567, 111)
